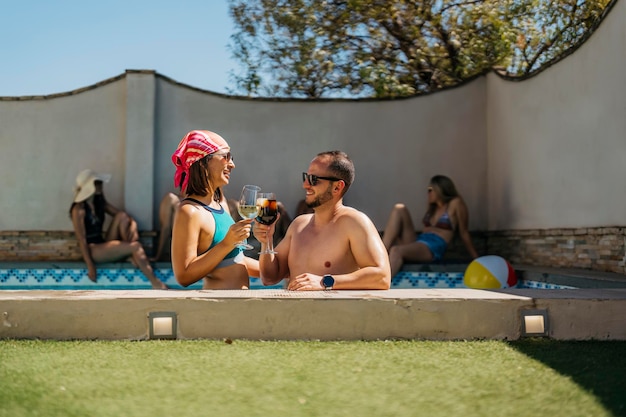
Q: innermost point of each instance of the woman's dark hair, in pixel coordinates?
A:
(200, 181)
(445, 188)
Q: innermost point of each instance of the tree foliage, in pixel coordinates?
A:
(395, 48)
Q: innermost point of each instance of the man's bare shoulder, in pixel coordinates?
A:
(302, 218)
(353, 217)
(344, 216)
(352, 212)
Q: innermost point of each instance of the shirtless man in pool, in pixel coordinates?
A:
(335, 247)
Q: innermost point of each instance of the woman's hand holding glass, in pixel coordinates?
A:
(248, 208)
(238, 232)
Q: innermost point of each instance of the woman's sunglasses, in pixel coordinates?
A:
(227, 156)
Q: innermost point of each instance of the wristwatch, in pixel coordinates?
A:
(328, 281)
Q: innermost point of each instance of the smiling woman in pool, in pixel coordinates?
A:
(204, 234)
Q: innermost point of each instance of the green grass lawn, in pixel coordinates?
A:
(251, 378)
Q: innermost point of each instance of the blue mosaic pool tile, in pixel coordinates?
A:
(543, 285)
(455, 280)
(412, 279)
(164, 274)
(133, 278)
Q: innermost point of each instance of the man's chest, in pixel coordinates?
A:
(320, 252)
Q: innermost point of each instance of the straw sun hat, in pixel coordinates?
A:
(85, 186)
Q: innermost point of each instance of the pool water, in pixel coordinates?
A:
(132, 278)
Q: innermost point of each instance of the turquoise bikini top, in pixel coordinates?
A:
(223, 221)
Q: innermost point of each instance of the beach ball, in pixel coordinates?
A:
(489, 272)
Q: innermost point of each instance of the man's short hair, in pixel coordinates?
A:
(340, 166)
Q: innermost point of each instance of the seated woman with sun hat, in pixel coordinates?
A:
(121, 240)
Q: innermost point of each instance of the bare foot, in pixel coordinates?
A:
(159, 285)
(92, 274)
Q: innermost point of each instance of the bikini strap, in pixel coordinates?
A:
(194, 200)
(205, 206)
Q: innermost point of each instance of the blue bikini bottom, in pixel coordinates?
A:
(434, 243)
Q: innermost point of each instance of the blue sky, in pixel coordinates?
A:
(53, 46)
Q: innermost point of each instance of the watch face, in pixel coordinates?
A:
(328, 281)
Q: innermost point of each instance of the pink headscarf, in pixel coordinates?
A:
(194, 146)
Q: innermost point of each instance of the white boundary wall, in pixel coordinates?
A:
(131, 125)
(557, 141)
(546, 152)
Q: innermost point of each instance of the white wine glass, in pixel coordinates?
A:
(268, 213)
(248, 208)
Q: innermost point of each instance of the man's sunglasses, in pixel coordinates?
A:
(228, 156)
(313, 179)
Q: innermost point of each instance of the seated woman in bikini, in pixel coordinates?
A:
(121, 239)
(204, 235)
(446, 215)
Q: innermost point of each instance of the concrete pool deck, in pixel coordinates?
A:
(429, 314)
